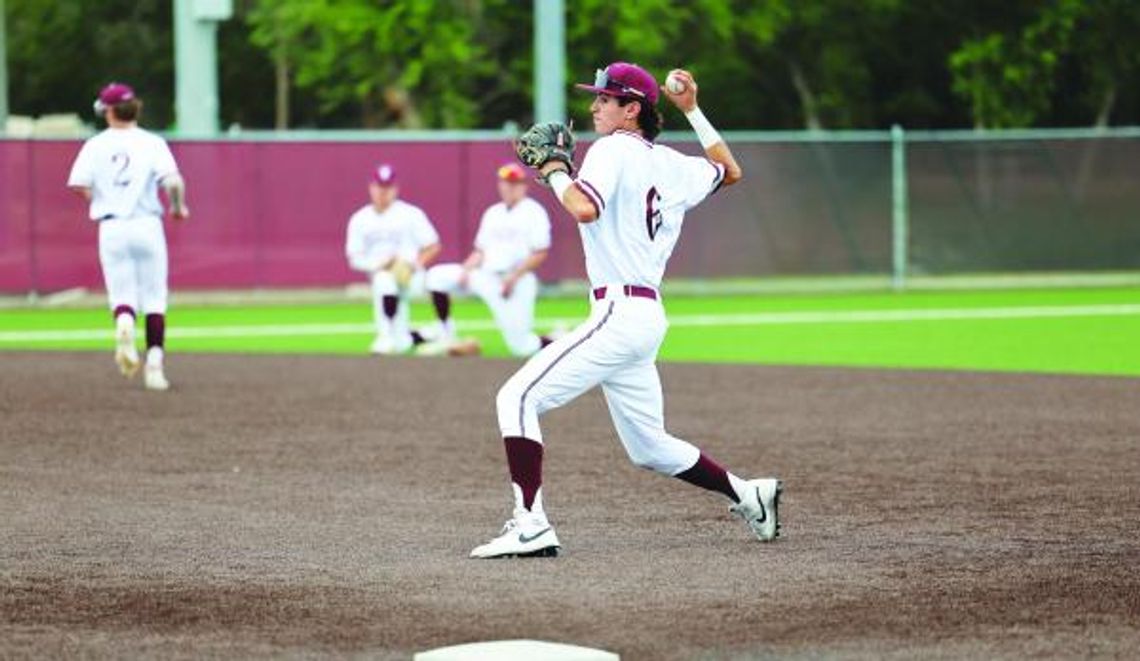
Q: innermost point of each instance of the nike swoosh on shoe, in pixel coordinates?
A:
(523, 539)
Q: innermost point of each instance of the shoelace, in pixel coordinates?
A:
(740, 510)
(510, 525)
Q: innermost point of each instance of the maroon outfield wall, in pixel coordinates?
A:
(264, 214)
(273, 213)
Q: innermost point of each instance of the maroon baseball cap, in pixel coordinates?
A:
(625, 80)
(384, 174)
(112, 95)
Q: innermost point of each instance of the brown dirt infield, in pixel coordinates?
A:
(314, 507)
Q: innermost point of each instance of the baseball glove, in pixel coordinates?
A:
(542, 143)
(402, 271)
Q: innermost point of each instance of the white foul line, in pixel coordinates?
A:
(891, 316)
(745, 319)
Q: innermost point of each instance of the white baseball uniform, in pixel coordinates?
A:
(641, 191)
(373, 239)
(123, 168)
(507, 236)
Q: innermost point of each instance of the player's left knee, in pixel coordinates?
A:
(509, 398)
(383, 284)
(509, 409)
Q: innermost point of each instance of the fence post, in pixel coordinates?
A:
(899, 220)
(33, 239)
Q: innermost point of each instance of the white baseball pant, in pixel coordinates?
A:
(617, 348)
(132, 253)
(397, 328)
(514, 315)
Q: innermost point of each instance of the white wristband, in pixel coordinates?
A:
(559, 181)
(705, 131)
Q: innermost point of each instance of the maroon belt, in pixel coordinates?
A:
(628, 290)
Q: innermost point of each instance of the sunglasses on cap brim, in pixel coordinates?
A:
(602, 82)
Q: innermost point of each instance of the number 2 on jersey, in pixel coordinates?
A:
(124, 161)
(653, 217)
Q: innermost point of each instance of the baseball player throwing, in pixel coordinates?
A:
(629, 200)
(393, 242)
(512, 241)
(119, 171)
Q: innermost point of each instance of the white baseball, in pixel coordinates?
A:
(674, 84)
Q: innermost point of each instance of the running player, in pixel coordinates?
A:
(119, 171)
(393, 242)
(629, 200)
(512, 241)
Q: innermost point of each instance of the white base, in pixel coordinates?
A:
(515, 650)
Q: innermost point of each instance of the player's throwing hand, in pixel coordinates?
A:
(686, 98)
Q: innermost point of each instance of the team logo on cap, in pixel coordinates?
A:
(511, 172)
(384, 174)
(112, 95)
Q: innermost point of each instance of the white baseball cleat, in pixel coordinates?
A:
(438, 332)
(154, 378)
(759, 506)
(525, 535)
(126, 354)
(382, 346)
(558, 331)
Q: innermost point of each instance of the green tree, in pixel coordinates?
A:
(772, 63)
(1008, 78)
(1107, 57)
(278, 27)
(390, 60)
(762, 64)
(61, 53)
(655, 34)
(823, 48)
(505, 88)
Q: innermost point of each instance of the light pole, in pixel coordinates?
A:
(549, 61)
(196, 64)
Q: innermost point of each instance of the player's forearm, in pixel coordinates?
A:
(720, 153)
(428, 254)
(175, 189)
(716, 149)
(571, 197)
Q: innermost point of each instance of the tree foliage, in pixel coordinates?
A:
(1105, 58)
(1009, 78)
(389, 58)
(655, 34)
(61, 53)
(762, 64)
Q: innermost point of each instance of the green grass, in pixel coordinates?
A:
(1089, 331)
